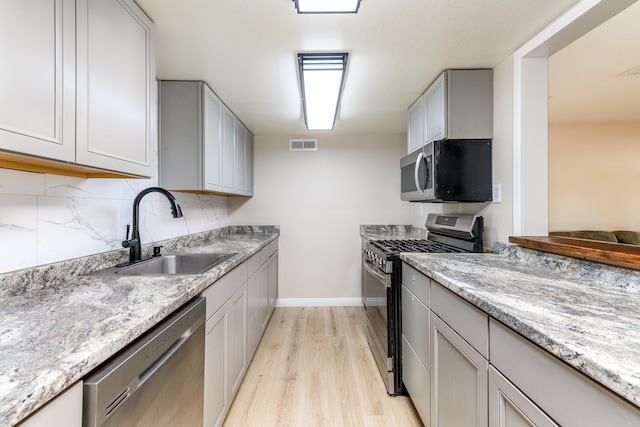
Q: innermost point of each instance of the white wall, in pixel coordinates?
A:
(592, 171)
(48, 218)
(320, 199)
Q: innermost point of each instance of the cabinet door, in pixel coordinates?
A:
(508, 407)
(273, 282)
(239, 157)
(248, 163)
(263, 309)
(116, 87)
(435, 109)
(458, 380)
(37, 78)
(228, 151)
(237, 339)
(216, 397)
(65, 410)
(212, 149)
(415, 325)
(415, 134)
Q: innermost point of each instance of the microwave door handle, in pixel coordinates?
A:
(416, 172)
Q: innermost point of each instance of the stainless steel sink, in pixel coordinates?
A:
(175, 264)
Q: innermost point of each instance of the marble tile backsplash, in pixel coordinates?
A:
(48, 218)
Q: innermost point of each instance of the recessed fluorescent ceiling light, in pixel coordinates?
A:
(327, 6)
(321, 80)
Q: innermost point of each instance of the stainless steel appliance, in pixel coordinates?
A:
(382, 276)
(157, 380)
(449, 170)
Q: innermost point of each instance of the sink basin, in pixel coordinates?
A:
(175, 264)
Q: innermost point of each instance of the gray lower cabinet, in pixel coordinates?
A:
(459, 361)
(515, 384)
(567, 396)
(458, 379)
(231, 336)
(65, 410)
(509, 407)
(273, 276)
(416, 347)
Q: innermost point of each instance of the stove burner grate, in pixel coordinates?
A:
(392, 247)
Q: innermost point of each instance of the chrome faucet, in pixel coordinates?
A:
(134, 244)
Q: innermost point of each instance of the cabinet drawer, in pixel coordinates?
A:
(415, 325)
(220, 291)
(417, 380)
(469, 322)
(273, 247)
(416, 282)
(258, 259)
(565, 394)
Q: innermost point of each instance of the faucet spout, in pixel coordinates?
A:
(134, 244)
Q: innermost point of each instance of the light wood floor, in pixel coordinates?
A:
(313, 367)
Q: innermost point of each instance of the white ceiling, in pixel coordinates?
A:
(246, 51)
(589, 80)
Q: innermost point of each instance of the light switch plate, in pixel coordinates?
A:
(496, 190)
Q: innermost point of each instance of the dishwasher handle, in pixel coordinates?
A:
(162, 360)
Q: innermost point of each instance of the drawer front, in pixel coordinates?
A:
(416, 282)
(469, 322)
(417, 381)
(221, 290)
(415, 325)
(273, 247)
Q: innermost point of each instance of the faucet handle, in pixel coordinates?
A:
(128, 243)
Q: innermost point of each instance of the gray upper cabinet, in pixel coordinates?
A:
(37, 106)
(457, 105)
(229, 151)
(415, 139)
(79, 89)
(202, 143)
(190, 137)
(116, 87)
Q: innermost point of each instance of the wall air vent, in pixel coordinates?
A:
(303, 145)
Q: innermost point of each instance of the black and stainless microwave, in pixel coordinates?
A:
(449, 170)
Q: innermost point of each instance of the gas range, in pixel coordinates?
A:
(382, 278)
(447, 234)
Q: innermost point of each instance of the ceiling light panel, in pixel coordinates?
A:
(327, 6)
(321, 81)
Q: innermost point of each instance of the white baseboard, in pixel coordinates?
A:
(319, 302)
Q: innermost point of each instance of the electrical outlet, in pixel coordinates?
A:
(496, 190)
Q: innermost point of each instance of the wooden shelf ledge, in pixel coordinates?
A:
(621, 255)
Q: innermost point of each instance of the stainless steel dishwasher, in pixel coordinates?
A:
(155, 381)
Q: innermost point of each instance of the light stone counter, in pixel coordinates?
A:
(56, 327)
(392, 232)
(586, 314)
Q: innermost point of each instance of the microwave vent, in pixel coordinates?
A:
(303, 145)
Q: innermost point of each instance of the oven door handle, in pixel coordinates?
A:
(381, 277)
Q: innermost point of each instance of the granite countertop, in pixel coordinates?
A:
(54, 334)
(584, 313)
(391, 232)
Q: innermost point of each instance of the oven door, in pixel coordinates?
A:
(377, 293)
